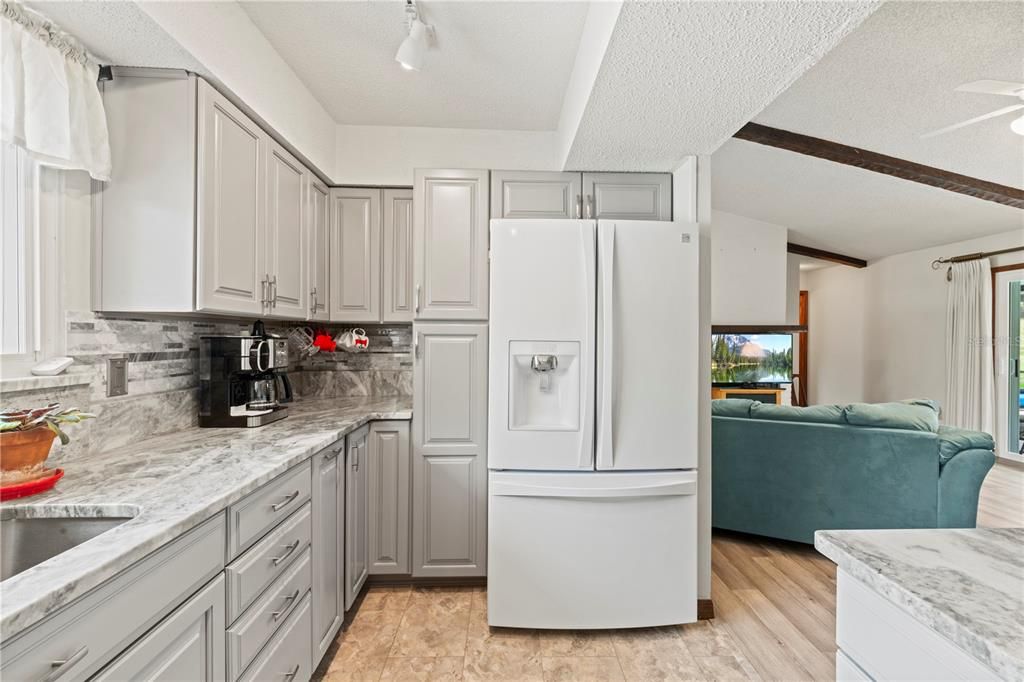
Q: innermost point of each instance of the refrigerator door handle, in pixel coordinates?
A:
(509, 489)
(606, 336)
(588, 246)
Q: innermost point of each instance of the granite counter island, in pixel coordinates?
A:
(168, 485)
(929, 604)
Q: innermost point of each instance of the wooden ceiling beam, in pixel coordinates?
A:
(881, 163)
(811, 252)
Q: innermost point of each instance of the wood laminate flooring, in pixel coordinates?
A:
(774, 608)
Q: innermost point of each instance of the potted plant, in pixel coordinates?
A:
(27, 435)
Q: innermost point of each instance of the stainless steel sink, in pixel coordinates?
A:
(28, 539)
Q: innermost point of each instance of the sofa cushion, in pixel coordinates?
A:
(731, 407)
(911, 415)
(816, 414)
(954, 440)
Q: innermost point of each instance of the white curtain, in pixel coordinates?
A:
(970, 393)
(50, 102)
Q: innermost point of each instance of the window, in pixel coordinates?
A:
(32, 316)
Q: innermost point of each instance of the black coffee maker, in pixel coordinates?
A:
(243, 380)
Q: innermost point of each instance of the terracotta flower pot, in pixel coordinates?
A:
(21, 449)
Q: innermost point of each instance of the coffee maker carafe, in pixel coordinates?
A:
(243, 380)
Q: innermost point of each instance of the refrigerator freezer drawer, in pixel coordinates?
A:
(592, 550)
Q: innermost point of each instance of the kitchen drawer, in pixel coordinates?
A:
(289, 655)
(259, 622)
(252, 572)
(92, 630)
(887, 643)
(187, 645)
(250, 518)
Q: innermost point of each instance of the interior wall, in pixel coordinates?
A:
(387, 155)
(906, 319)
(835, 334)
(750, 270)
(236, 54)
(877, 334)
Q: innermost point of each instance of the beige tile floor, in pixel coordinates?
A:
(406, 633)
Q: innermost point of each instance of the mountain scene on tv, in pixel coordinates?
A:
(752, 358)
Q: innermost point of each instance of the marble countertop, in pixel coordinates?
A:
(966, 584)
(168, 485)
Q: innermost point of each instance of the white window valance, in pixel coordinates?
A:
(50, 102)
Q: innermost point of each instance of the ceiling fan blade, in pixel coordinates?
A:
(990, 87)
(976, 119)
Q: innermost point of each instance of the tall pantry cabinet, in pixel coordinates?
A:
(449, 433)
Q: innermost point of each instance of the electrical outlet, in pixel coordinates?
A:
(117, 377)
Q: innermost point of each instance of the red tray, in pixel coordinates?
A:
(26, 488)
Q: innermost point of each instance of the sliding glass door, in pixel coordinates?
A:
(1009, 329)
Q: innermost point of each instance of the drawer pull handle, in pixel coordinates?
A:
(287, 602)
(285, 502)
(334, 453)
(61, 667)
(288, 552)
(293, 673)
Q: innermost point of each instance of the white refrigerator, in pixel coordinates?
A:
(592, 423)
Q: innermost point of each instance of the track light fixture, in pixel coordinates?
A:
(412, 50)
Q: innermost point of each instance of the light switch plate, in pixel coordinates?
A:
(117, 377)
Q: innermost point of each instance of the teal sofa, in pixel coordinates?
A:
(785, 472)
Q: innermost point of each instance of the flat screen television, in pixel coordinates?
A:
(738, 359)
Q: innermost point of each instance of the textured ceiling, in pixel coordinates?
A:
(118, 33)
(894, 77)
(680, 77)
(846, 209)
(497, 65)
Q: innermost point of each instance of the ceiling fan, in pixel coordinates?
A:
(989, 87)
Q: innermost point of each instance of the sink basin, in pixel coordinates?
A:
(30, 538)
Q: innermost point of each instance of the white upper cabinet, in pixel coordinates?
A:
(355, 254)
(205, 211)
(319, 263)
(560, 195)
(231, 277)
(450, 243)
(286, 209)
(536, 194)
(627, 196)
(397, 273)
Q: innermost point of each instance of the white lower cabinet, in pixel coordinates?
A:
(879, 640)
(288, 656)
(187, 645)
(388, 492)
(328, 546)
(356, 528)
(449, 472)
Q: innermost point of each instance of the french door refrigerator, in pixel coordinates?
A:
(592, 423)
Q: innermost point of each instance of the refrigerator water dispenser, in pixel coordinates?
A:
(544, 385)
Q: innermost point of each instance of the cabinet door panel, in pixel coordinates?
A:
(231, 210)
(628, 196)
(536, 194)
(451, 242)
(187, 645)
(450, 450)
(397, 284)
(388, 498)
(355, 514)
(355, 254)
(286, 208)
(328, 546)
(319, 251)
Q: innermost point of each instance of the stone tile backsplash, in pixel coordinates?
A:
(162, 354)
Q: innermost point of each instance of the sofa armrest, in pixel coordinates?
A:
(959, 486)
(953, 441)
